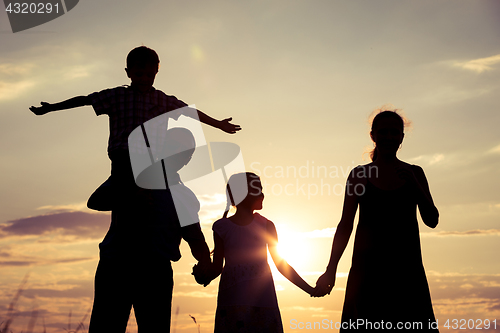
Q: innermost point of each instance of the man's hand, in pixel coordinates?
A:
(41, 110)
(203, 273)
(227, 127)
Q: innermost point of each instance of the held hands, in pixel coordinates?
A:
(227, 127)
(203, 273)
(41, 110)
(325, 284)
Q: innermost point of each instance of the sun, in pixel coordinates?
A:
(292, 247)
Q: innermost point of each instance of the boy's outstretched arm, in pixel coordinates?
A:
(64, 105)
(281, 264)
(223, 125)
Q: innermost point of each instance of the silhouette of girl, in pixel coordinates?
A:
(247, 298)
(387, 287)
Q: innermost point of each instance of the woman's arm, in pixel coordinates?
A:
(281, 264)
(326, 281)
(428, 211)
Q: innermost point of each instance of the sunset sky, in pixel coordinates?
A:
(301, 78)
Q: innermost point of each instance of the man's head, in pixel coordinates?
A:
(142, 67)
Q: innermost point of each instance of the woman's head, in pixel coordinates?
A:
(387, 131)
(244, 190)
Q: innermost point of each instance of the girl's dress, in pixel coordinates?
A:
(387, 280)
(247, 298)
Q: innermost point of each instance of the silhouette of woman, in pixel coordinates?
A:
(387, 287)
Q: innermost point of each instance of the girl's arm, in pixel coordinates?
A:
(67, 104)
(326, 281)
(281, 264)
(218, 259)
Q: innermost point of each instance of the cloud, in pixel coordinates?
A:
(458, 286)
(15, 69)
(76, 72)
(11, 90)
(477, 232)
(75, 292)
(211, 207)
(12, 83)
(56, 208)
(17, 263)
(302, 308)
(212, 200)
(31, 261)
(323, 233)
(465, 295)
(429, 159)
(195, 294)
(494, 150)
(77, 224)
(479, 65)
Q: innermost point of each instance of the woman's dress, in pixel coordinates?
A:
(247, 298)
(387, 285)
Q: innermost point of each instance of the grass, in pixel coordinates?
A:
(11, 314)
(4, 326)
(197, 325)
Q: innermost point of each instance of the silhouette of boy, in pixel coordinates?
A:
(129, 107)
(144, 236)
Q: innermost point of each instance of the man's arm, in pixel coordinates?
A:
(64, 105)
(193, 235)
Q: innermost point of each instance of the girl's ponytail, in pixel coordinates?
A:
(229, 200)
(226, 211)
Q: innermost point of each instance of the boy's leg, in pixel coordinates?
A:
(153, 296)
(112, 299)
(103, 197)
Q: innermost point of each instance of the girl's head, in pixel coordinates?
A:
(244, 190)
(387, 131)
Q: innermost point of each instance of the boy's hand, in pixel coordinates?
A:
(41, 110)
(227, 127)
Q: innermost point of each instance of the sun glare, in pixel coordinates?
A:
(292, 247)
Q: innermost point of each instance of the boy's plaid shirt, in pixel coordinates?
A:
(128, 108)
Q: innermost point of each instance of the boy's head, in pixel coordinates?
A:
(142, 67)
